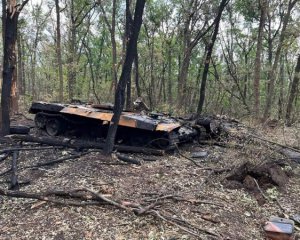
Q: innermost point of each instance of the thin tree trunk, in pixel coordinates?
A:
(136, 75)
(3, 20)
(293, 93)
(71, 59)
(114, 45)
(182, 77)
(58, 52)
(281, 88)
(257, 68)
(14, 94)
(170, 96)
(125, 75)
(128, 30)
(21, 83)
(209, 54)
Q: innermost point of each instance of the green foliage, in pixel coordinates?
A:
(249, 9)
(161, 49)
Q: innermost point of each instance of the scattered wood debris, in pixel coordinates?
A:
(167, 196)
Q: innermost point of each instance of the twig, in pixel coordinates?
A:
(178, 198)
(182, 155)
(192, 226)
(259, 189)
(60, 160)
(4, 157)
(275, 143)
(5, 172)
(98, 199)
(103, 198)
(146, 209)
(158, 215)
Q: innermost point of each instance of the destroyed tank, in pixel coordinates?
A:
(136, 129)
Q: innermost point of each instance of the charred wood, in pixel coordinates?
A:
(127, 159)
(80, 144)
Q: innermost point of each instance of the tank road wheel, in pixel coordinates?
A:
(54, 126)
(40, 121)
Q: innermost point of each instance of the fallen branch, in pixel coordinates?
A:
(9, 150)
(274, 143)
(94, 198)
(60, 160)
(127, 159)
(44, 197)
(190, 159)
(103, 198)
(80, 144)
(5, 172)
(5, 155)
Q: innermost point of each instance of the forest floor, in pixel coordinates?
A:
(199, 198)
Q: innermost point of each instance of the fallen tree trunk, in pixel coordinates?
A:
(80, 144)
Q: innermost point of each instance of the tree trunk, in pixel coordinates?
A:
(272, 79)
(3, 21)
(128, 30)
(114, 45)
(71, 59)
(14, 93)
(182, 78)
(170, 92)
(21, 79)
(257, 68)
(209, 54)
(136, 75)
(281, 88)
(58, 53)
(293, 93)
(125, 75)
(9, 61)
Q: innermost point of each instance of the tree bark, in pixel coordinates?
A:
(209, 54)
(257, 68)
(281, 88)
(71, 59)
(125, 75)
(3, 21)
(293, 93)
(136, 75)
(9, 61)
(128, 30)
(21, 77)
(170, 92)
(58, 53)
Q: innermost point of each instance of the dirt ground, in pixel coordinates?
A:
(202, 199)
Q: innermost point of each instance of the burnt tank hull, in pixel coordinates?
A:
(134, 128)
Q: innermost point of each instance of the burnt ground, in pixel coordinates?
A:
(202, 198)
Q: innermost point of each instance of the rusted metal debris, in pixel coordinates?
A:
(279, 229)
(151, 130)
